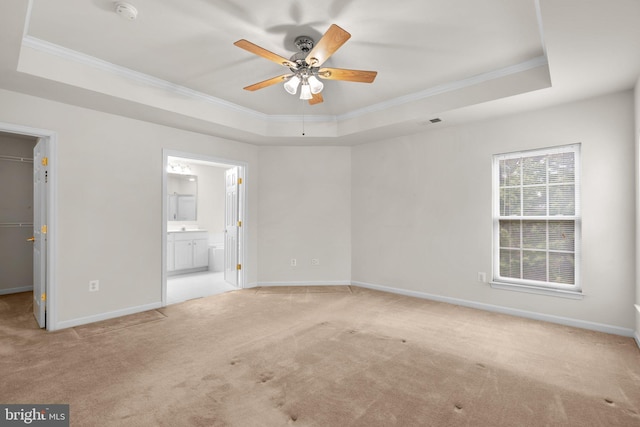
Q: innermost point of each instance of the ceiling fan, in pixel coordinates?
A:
(306, 65)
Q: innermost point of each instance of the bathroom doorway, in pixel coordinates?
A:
(202, 254)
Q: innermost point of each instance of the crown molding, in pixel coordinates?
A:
(92, 61)
(449, 87)
(78, 57)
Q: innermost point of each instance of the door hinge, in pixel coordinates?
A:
(239, 223)
(43, 297)
(239, 180)
(239, 266)
(43, 229)
(45, 161)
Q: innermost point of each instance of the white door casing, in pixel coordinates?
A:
(40, 178)
(232, 226)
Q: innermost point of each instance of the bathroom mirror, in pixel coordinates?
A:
(183, 197)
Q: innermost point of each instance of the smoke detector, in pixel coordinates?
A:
(126, 11)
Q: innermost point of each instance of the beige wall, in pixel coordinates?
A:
(211, 197)
(411, 213)
(422, 209)
(304, 213)
(110, 202)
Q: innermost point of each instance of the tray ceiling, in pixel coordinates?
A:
(176, 63)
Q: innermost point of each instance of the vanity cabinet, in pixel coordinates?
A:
(187, 250)
(171, 257)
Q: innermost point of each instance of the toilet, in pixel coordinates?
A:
(216, 258)
(216, 252)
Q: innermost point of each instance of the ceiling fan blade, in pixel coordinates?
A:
(347, 75)
(316, 98)
(257, 50)
(328, 44)
(269, 82)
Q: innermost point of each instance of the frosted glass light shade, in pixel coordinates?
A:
(305, 92)
(291, 85)
(315, 85)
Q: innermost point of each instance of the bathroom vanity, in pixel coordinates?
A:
(187, 251)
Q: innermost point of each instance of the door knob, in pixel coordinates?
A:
(31, 239)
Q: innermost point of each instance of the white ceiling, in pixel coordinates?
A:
(458, 60)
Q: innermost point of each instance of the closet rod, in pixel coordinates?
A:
(16, 159)
(16, 224)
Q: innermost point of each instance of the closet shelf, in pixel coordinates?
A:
(16, 159)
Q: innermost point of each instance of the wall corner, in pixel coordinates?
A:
(637, 214)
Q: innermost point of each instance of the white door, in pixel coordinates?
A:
(40, 178)
(232, 227)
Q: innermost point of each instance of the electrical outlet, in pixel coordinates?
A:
(94, 285)
(482, 277)
(294, 262)
(315, 261)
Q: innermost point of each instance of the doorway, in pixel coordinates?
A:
(28, 210)
(16, 212)
(203, 238)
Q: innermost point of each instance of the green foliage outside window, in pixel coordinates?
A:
(537, 208)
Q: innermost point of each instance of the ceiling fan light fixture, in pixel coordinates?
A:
(291, 85)
(315, 85)
(305, 91)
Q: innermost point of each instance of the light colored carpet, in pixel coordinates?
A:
(358, 358)
(302, 289)
(118, 323)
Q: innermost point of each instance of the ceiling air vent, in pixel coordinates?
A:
(430, 121)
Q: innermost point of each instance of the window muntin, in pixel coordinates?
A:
(537, 218)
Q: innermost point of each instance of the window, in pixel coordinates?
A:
(536, 219)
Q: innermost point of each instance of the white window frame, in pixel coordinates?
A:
(531, 286)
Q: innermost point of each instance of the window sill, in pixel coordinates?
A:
(561, 293)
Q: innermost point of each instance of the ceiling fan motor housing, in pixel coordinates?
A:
(304, 43)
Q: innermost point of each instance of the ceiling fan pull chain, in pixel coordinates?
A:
(303, 107)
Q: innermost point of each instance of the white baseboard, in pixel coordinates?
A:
(609, 329)
(106, 316)
(637, 334)
(16, 290)
(308, 283)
